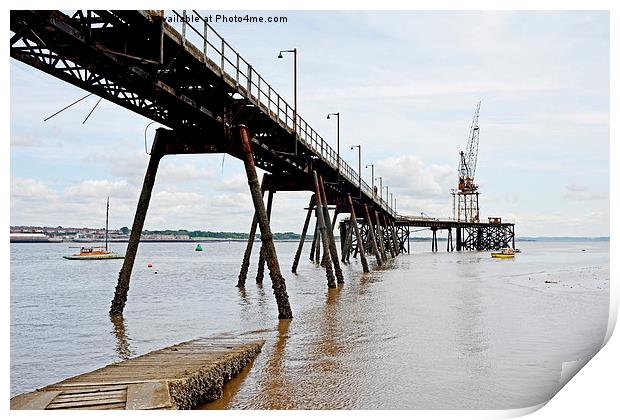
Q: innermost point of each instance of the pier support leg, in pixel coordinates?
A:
(316, 233)
(303, 235)
(408, 242)
(387, 239)
(394, 238)
(380, 236)
(449, 246)
(373, 239)
(458, 239)
(277, 281)
(260, 271)
(331, 281)
(360, 241)
(434, 240)
(346, 247)
(317, 251)
(330, 234)
(243, 274)
(122, 286)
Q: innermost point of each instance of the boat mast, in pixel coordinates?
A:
(107, 210)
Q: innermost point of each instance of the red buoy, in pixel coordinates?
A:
(149, 265)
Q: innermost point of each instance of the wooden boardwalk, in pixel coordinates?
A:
(177, 377)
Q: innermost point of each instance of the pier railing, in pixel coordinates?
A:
(222, 58)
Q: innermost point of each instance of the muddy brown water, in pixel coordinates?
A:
(457, 330)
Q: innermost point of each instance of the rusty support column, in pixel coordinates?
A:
(243, 274)
(260, 270)
(331, 281)
(317, 252)
(303, 235)
(380, 236)
(373, 240)
(387, 239)
(277, 281)
(347, 242)
(122, 285)
(313, 247)
(395, 238)
(330, 234)
(360, 240)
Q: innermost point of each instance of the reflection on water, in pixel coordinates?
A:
(122, 342)
(429, 330)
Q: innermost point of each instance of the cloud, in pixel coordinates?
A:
(100, 188)
(578, 192)
(409, 176)
(30, 189)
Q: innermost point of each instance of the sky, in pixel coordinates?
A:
(405, 83)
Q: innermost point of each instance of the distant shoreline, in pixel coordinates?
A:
(309, 239)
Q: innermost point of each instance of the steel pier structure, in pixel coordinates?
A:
(211, 100)
(467, 236)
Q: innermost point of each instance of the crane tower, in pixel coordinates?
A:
(465, 197)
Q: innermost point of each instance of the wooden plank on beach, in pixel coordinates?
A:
(177, 377)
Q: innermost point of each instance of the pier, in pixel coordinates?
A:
(212, 100)
(177, 377)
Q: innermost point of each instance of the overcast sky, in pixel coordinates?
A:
(405, 83)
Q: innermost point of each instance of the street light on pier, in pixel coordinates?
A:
(372, 176)
(359, 165)
(337, 114)
(294, 51)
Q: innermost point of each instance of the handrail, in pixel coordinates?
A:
(234, 69)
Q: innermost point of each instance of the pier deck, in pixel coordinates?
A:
(176, 377)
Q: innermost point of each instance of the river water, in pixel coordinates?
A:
(444, 330)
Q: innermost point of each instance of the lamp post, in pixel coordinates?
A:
(337, 114)
(387, 195)
(392, 201)
(359, 165)
(294, 51)
(380, 187)
(372, 177)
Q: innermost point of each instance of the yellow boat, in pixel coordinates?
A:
(505, 253)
